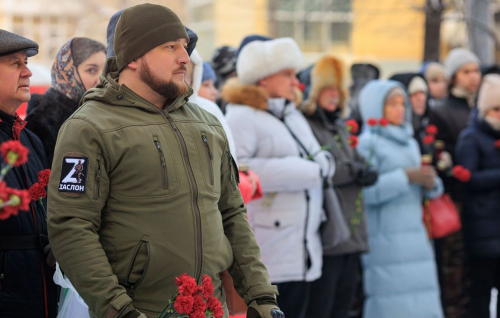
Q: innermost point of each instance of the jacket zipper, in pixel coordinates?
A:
(194, 188)
(163, 164)
(97, 187)
(233, 170)
(210, 158)
(306, 260)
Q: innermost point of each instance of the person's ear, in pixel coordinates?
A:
(133, 65)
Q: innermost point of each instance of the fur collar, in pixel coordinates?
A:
(237, 93)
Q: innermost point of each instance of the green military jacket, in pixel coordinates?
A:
(139, 196)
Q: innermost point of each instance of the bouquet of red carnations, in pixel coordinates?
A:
(193, 301)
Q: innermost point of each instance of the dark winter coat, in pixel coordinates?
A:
(419, 123)
(47, 114)
(481, 204)
(450, 119)
(26, 285)
(333, 133)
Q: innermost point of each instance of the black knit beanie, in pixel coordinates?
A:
(143, 27)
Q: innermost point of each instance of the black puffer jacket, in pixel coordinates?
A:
(476, 151)
(46, 114)
(26, 285)
(450, 119)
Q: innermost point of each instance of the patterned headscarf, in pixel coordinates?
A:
(65, 76)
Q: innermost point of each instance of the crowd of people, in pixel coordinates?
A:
(149, 144)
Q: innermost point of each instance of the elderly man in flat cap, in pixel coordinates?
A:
(26, 285)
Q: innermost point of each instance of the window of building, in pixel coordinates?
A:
(314, 24)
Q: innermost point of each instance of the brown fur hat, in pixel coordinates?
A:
(328, 71)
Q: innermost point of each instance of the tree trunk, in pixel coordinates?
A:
(433, 12)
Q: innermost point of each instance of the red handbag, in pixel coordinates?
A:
(441, 217)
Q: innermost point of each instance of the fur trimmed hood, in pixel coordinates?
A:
(328, 71)
(236, 93)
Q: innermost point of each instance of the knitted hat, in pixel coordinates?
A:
(208, 73)
(143, 27)
(260, 59)
(489, 94)
(458, 58)
(433, 70)
(417, 84)
(328, 72)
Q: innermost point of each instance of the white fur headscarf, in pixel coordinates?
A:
(260, 59)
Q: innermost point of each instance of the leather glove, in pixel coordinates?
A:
(49, 257)
(367, 176)
(264, 308)
(424, 176)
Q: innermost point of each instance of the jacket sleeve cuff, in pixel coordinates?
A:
(259, 292)
(117, 306)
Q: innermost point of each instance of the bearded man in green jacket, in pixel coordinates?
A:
(158, 196)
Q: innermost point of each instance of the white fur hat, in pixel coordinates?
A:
(260, 59)
(489, 94)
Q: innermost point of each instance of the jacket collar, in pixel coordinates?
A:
(239, 94)
(12, 124)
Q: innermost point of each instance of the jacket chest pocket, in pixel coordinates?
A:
(146, 168)
(163, 163)
(210, 161)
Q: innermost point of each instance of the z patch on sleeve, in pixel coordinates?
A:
(73, 174)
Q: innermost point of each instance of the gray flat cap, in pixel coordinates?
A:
(12, 43)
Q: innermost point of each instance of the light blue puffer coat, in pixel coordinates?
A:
(400, 271)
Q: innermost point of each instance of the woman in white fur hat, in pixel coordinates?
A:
(274, 139)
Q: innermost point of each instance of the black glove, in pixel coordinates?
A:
(49, 257)
(264, 308)
(367, 176)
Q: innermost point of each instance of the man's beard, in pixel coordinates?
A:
(171, 90)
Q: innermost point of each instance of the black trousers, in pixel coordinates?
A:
(332, 295)
(293, 298)
(485, 277)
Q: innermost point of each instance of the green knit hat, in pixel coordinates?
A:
(143, 27)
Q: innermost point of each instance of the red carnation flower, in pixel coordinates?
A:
(302, 87)
(431, 130)
(14, 153)
(37, 192)
(353, 141)
(186, 285)
(215, 306)
(197, 314)
(16, 200)
(372, 122)
(206, 288)
(199, 304)
(43, 177)
(497, 144)
(184, 304)
(352, 126)
(461, 174)
(383, 122)
(429, 139)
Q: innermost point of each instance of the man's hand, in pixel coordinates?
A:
(264, 308)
